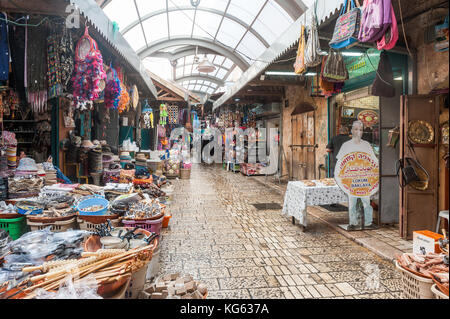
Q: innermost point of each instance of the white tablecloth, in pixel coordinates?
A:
(299, 196)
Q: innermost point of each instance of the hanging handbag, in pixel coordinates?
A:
(383, 85)
(390, 38)
(299, 65)
(411, 172)
(312, 52)
(335, 69)
(346, 30)
(375, 20)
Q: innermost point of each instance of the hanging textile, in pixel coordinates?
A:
(312, 52)
(17, 51)
(299, 65)
(88, 70)
(4, 49)
(172, 110)
(124, 102)
(36, 68)
(147, 116)
(112, 90)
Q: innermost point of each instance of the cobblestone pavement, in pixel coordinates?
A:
(216, 235)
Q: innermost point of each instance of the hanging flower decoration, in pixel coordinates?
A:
(88, 71)
(124, 103)
(112, 90)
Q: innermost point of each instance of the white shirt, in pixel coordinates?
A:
(350, 147)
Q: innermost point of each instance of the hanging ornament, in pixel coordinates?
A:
(124, 103)
(163, 114)
(134, 96)
(112, 90)
(147, 113)
(88, 70)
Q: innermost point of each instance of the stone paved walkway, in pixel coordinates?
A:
(216, 235)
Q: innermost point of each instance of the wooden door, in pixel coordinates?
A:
(303, 146)
(419, 209)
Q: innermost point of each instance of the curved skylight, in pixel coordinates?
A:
(232, 33)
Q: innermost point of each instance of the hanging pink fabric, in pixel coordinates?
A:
(390, 38)
(375, 20)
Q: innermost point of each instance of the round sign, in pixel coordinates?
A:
(357, 174)
(368, 117)
(135, 96)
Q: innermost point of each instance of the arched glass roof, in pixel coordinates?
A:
(231, 33)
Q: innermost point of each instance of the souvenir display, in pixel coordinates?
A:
(420, 132)
(88, 70)
(163, 115)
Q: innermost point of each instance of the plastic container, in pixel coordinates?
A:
(31, 210)
(137, 283)
(56, 227)
(153, 226)
(185, 173)
(89, 201)
(437, 293)
(15, 227)
(415, 287)
(90, 222)
(166, 220)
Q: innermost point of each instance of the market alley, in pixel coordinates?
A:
(218, 236)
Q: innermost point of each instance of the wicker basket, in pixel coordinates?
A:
(415, 287)
(437, 293)
(56, 227)
(185, 173)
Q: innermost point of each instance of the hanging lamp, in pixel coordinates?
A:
(205, 66)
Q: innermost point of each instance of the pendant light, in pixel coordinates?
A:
(205, 66)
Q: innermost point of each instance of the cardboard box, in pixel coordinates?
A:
(425, 241)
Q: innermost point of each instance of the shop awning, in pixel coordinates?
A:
(325, 9)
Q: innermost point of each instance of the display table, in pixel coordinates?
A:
(299, 196)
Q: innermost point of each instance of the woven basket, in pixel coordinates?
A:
(56, 227)
(437, 293)
(185, 173)
(415, 287)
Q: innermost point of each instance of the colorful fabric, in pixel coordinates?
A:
(172, 111)
(4, 49)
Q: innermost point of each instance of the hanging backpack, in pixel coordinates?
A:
(375, 20)
(390, 38)
(335, 69)
(383, 85)
(347, 26)
(299, 65)
(312, 52)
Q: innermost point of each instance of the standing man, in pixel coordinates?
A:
(335, 145)
(357, 144)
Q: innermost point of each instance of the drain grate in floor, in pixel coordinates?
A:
(335, 208)
(267, 206)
